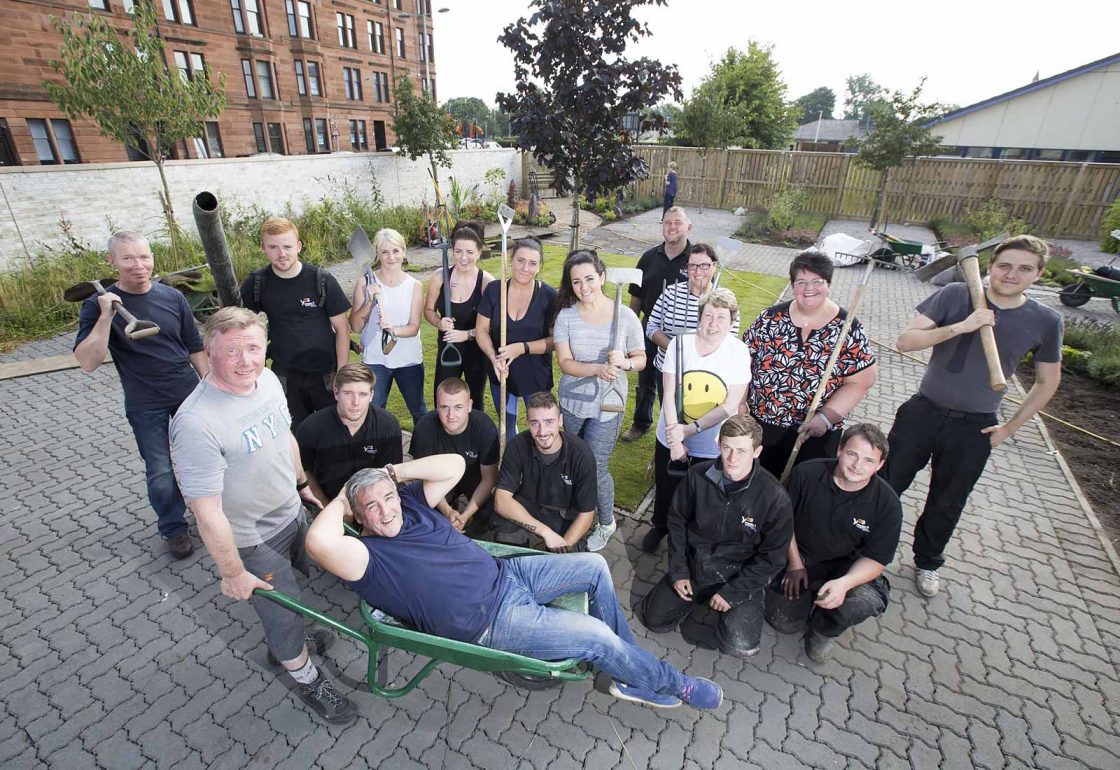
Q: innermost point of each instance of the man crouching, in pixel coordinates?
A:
(413, 564)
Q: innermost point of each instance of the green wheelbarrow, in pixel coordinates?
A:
(384, 633)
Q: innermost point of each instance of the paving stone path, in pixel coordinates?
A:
(113, 655)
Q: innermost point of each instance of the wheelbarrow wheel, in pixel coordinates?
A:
(1074, 295)
(527, 682)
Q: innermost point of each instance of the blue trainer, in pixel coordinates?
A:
(643, 696)
(701, 693)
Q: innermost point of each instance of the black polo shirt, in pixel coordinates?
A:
(657, 267)
(565, 480)
(834, 527)
(477, 444)
(332, 455)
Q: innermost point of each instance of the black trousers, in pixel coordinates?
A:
(739, 629)
(473, 372)
(952, 442)
(649, 388)
(664, 485)
(668, 203)
(778, 441)
(306, 393)
(790, 616)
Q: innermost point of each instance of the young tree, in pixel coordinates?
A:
(467, 110)
(422, 128)
(861, 93)
(818, 104)
(575, 87)
(121, 81)
(707, 124)
(899, 131)
(749, 86)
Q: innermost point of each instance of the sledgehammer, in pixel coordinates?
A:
(135, 328)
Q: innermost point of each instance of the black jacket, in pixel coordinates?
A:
(737, 541)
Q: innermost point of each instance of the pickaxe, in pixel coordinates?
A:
(968, 260)
(135, 329)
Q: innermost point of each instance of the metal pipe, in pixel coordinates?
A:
(208, 220)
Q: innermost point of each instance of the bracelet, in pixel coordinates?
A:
(301, 485)
(696, 425)
(392, 472)
(526, 344)
(824, 417)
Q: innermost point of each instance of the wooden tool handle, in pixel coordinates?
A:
(970, 266)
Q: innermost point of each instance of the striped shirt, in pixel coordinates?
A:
(676, 310)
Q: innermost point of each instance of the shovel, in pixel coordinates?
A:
(134, 329)
(505, 219)
(361, 256)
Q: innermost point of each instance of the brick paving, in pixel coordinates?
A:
(113, 655)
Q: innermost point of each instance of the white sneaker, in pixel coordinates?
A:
(927, 581)
(599, 536)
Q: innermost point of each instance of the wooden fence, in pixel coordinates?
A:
(1060, 199)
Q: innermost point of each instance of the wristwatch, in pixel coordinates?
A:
(392, 472)
(472, 333)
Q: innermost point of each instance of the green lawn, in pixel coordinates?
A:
(629, 461)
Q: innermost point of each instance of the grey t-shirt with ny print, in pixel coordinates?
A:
(238, 447)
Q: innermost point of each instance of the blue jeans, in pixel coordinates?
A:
(511, 408)
(410, 380)
(601, 436)
(150, 427)
(523, 624)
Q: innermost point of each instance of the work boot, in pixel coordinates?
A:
(927, 581)
(321, 697)
(181, 545)
(652, 539)
(818, 647)
(634, 433)
(317, 641)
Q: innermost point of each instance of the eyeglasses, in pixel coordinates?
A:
(702, 267)
(816, 283)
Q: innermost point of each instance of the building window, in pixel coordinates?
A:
(314, 83)
(264, 80)
(352, 79)
(276, 138)
(308, 136)
(400, 42)
(250, 85)
(376, 32)
(8, 156)
(299, 19)
(189, 65)
(431, 47)
(397, 4)
(247, 17)
(214, 139)
(358, 139)
(258, 133)
(346, 37)
(98, 5)
(423, 48)
(129, 6)
(54, 141)
(178, 10)
(381, 86)
(322, 138)
(301, 82)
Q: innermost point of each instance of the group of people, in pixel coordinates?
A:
(253, 447)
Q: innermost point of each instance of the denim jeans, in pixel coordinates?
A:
(150, 427)
(511, 408)
(957, 450)
(523, 624)
(790, 616)
(601, 436)
(410, 380)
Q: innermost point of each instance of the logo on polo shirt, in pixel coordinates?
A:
(748, 522)
(470, 454)
(369, 449)
(308, 302)
(566, 479)
(861, 525)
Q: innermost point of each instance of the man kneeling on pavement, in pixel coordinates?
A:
(730, 525)
(412, 563)
(846, 527)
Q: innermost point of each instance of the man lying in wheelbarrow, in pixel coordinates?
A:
(413, 564)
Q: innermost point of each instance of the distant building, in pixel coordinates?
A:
(829, 135)
(1073, 116)
(302, 76)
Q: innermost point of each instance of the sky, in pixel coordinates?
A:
(819, 43)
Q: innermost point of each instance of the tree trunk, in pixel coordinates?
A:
(879, 195)
(573, 243)
(168, 209)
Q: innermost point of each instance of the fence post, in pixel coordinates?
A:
(841, 187)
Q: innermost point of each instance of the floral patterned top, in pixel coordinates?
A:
(786, 371)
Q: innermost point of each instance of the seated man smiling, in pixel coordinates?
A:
(413, 564)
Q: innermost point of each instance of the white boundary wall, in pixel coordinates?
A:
(35, 198)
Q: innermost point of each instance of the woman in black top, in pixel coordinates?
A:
(530, 306)
(467, 282)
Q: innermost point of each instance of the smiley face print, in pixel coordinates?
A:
(703, 391)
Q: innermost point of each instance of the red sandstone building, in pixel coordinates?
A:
(302, 76)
